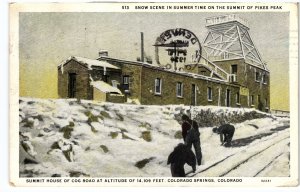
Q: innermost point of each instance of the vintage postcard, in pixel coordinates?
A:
(154, 94)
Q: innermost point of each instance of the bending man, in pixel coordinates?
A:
(227, 132)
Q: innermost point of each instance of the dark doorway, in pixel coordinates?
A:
(105, 78)
(227, 97)
(193, 96)
(260, 104)
(72, 85)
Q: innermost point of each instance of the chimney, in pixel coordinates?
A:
(142, 46)
(103, 53)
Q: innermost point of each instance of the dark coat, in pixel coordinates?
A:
(226, 129)
(186, 127)
(181, 155)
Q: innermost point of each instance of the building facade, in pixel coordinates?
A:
(230, 73)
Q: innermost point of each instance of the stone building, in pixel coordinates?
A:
(230, 73)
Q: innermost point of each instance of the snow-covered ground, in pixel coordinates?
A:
(86, 138)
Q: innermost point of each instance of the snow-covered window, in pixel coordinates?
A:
(158, 86)
(237, 97)
(179, 89)
(209, 94)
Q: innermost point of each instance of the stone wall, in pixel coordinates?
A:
(133, 70)
(83, 88)
(246, 78)
(168, 93)
(114, 98)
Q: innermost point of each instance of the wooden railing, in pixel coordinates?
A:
(224, 19)
(219, 71)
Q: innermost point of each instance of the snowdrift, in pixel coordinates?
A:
(70, 138)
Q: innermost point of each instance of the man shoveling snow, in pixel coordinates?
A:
(227, 131)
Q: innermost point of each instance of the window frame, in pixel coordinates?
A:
(160, 86)
(209, 94)
(126, 77)
(256, 76)
(264, 80)
(179, 85)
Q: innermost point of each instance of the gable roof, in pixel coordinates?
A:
(89, 63)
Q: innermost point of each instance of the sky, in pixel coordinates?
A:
(47, 39)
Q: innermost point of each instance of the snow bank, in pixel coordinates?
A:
(87, 138)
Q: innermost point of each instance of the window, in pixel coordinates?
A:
(265, 79)
(233, 75)
(209, 94)
(226, 55)
(252, 100)
(237, 97)
(125, 79)
(266, 103)
(256, 76)
(233, 69)
(158, 86)
(179, 89)
(126, 82)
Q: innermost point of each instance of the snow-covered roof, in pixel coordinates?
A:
(90, 62)
(104, 87)
(193, 75)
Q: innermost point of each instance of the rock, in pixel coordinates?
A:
(28, 148)
(146, 135)
(56, 175)
(25, 157)
(97, 126)
(142, 163)
(178, 135)
(77, 174)
(104, 148)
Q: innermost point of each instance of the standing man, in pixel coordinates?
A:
(191, 136)
(227, 131)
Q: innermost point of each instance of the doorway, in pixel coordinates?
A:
(227, 98)
(194, 96)
(72, 85)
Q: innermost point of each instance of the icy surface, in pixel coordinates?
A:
(95, 139)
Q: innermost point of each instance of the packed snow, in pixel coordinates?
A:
(72, 138)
